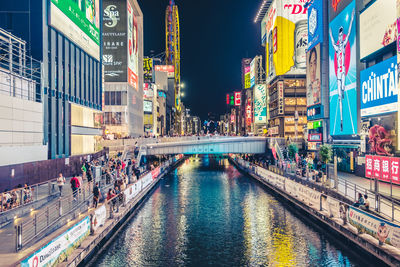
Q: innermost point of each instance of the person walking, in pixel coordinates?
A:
(74, 186)
(96, 195)
(60, 182)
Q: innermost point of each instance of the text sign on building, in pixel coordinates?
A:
(379, 88)
(238, 98)
(260, 104)
(315, 23)
(281, 104)
(382, 168)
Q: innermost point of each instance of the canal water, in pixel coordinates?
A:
(206, 213)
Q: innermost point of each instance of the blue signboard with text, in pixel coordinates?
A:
(315, 16)
(379, 88)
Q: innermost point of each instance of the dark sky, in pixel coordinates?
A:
(215, 36)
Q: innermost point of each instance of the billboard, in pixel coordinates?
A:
(379, 88)
(247, 77)
(260, 104)
(315, 15)
(383, 168)
(336, 7)
(377, 27)
(114, 41)
(79, 21)
(343, 73)
(253, 72)
(286, 33)
(314, 76)
(238, 98)
(148, 70)
(133, 48)
(147, 106)
(169, 69)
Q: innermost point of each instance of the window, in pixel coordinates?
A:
(117, 98)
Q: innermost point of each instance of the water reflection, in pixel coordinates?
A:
(208, 214)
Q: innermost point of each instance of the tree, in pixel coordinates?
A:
(292, 151)
(325, 154)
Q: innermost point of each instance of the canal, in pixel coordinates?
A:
(206, 213)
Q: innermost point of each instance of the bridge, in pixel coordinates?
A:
(205, 145)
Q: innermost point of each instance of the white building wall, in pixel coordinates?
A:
(21, 131)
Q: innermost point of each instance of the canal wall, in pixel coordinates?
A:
(368, 232)
(81, 239)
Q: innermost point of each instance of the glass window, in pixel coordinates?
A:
(118, 98)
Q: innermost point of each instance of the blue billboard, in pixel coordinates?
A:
(315, 15)
(379, 88)
(343, 73)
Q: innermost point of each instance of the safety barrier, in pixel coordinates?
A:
(366, 223)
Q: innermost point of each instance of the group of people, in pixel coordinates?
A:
(362, 202)
(16, 197)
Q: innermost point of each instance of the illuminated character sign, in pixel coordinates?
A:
(380, 141)
(342, 58)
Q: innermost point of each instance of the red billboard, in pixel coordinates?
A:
(382, 168)
(227, 99)
(238, 98)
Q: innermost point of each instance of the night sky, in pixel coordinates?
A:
(215, 36)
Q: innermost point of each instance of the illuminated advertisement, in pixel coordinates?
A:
(281, 102)
(260, 104)
(379, 88)
(169, 69)
(133, 48)
(147, 106)
(79, 21)
(377, 27)
(336, 7)
(314, 92)
(238, 98)
(114, 41)
(287, 38)
(249, 113)
(383, 168)
(343, 73)
(253, 72)
(247, 77)
(148, 91)
(315, 23)
(148, 70)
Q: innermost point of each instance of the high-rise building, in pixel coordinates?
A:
(65, 37)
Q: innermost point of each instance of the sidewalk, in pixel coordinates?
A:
(384, 188)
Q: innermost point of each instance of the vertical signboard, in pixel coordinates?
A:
(343, 73)
(376, 167)
(385, 167)
(315, 23)
(247, 83)
(253, 66)
(114, 41)
(314, 92)
(133, 48)
(395, 174)
(148, 70)
(260, 104)
(369, 162)
(238, 98)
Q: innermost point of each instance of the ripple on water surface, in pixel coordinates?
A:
(208, 214)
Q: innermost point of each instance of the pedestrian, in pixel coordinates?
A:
(83, 169)
(74, 186)
(60, 182)
(360, 201)
(89, 175)
(96, 195)
(366, 203)
(108, 177)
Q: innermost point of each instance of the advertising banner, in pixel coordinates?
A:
(253, 72)
(314, 76)
(147, 106)
(155, 173)
(382, 230)
(169, 69)
(379, 88)
(247, 77)
(99, 217)
(79, 21)
(336, 7)
(333, 207)
(286, 34)
(114, 41)
(133, 48)
(59, 248)
(249, 113)
(377, 27)
(382, 168)
(343, 73)
(281, 102)
(315, 15)
(132, 191)
(146, 180)
(238, 98)
(260, 104)
(148, 70)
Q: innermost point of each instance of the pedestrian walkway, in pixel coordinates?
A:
(383, 188)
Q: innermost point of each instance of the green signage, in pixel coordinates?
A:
(84, 13)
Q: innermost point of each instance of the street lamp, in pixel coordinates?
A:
(182, 85)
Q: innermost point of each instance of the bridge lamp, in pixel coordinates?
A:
(182, 85)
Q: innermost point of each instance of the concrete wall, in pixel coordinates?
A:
(21, 131)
